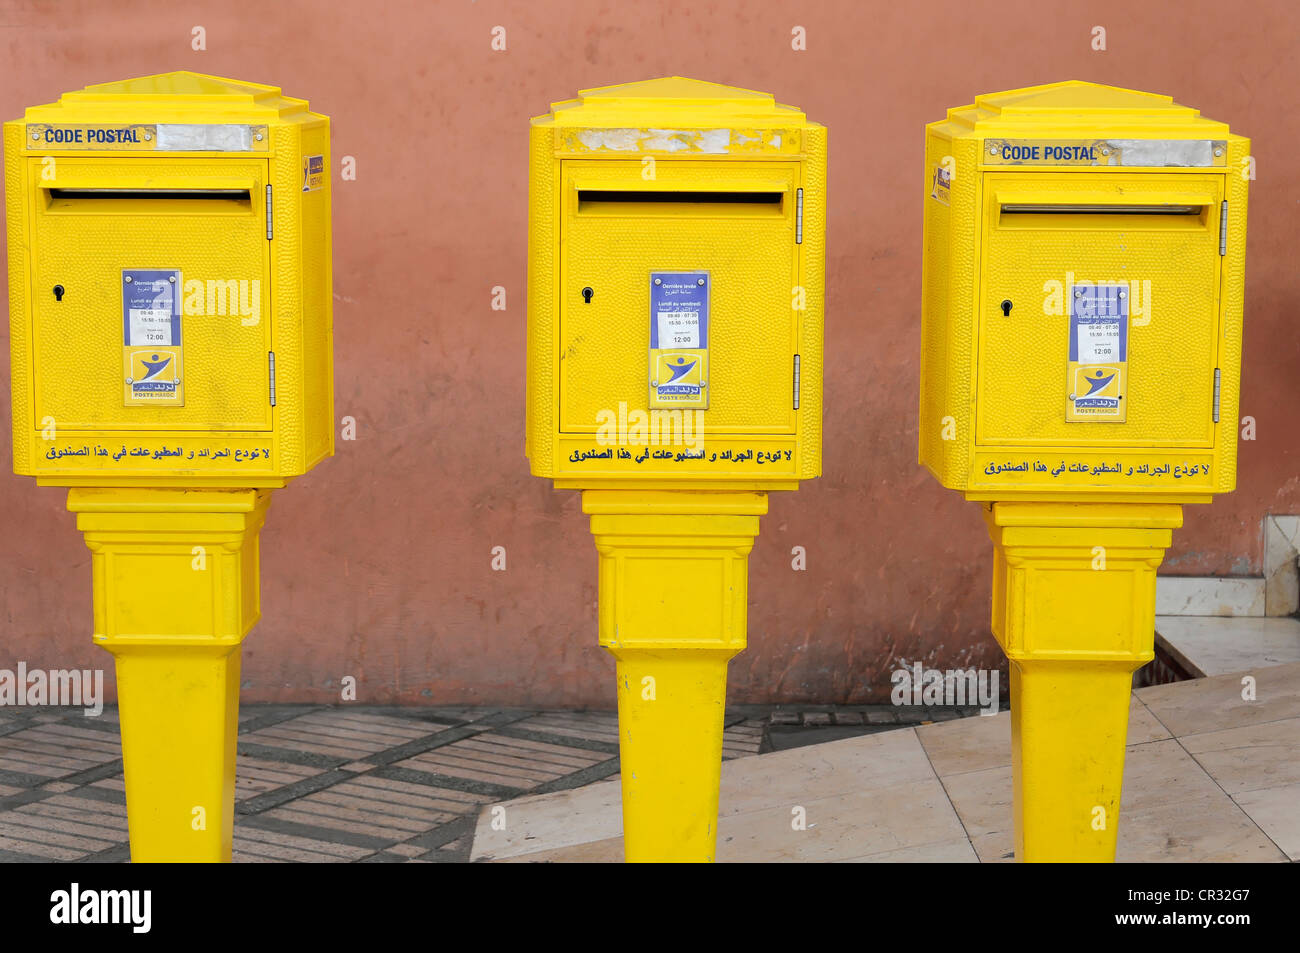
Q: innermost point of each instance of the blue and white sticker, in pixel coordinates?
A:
(1097, 377)
(151, 311)
(151, 335)
(679, 339)
(679, 309)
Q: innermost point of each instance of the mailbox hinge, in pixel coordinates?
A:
(796, 382)
(798, 216)
(1217, 390)
(269, 227)
(271, 368)
(1223, 229)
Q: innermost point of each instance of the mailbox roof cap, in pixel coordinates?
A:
(1075, 107)
(673, 101)
(173, 96)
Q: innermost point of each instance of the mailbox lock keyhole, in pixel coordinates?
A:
(586, 295)
(58, 292)
(1006, 306)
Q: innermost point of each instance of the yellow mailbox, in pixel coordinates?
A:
(170, 326)
(675, 306)
(1082, 309)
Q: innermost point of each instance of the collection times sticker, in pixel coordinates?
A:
(313, 173)
(151, 330)
(941, 184)
(679, 339)
(1098, 366)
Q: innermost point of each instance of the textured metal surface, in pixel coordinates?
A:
(317, 400)
(1022, 384)
(949, 279)
(751, 257)
(78, 341)
(812, 320)
(288, 278)
(543, 318)
(1232, 307)
(16, 211)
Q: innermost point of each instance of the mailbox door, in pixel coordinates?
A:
(733, 220)
(93, 220)
(1156, 233)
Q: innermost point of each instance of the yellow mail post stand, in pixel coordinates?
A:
(170, 308)
(1081, 345)
(675, 310)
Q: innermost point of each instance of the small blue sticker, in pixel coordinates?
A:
(151, 308)
(151, 336)
(1097, 371)
(679, 309)
(679, 339)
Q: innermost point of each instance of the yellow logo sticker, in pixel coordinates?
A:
(1098, 392)
(679, 379)
(1098, 358)
(153, 375)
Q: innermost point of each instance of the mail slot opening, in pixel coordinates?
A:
(1090, 209)
(1144, 215)
(84, 199)
(622, 201)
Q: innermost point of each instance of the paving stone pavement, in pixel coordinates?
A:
(356, 784)
(315, 783)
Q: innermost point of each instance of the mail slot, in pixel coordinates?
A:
(1082, 299)
(676, 289)
(169, 260)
